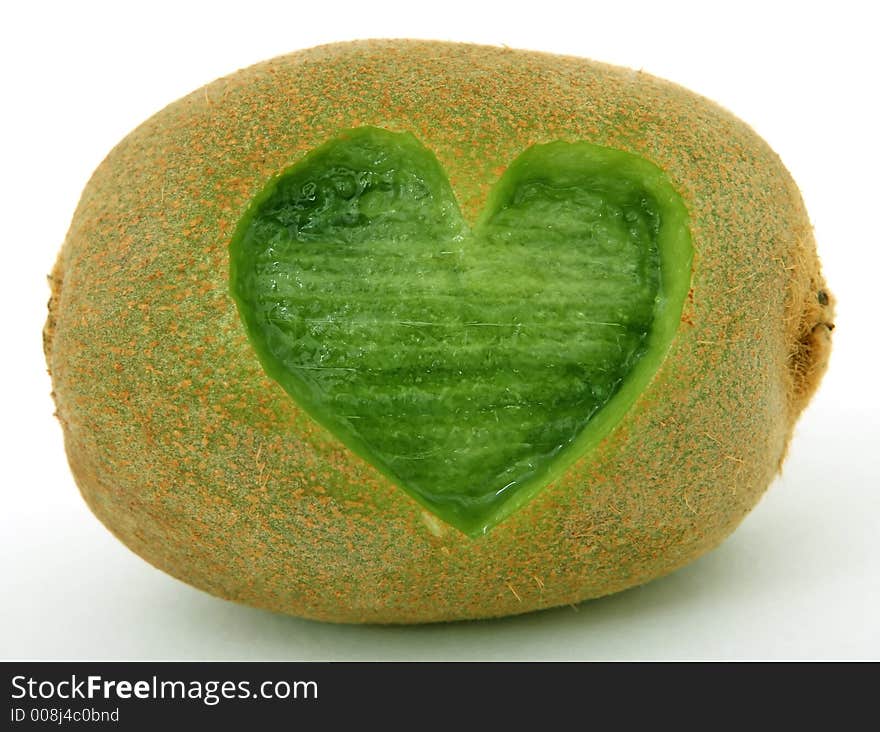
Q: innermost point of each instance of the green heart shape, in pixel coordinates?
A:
(471, 366)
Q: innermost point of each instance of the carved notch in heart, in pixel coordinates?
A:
(470, 365)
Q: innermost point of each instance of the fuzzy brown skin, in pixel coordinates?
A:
(204, 466)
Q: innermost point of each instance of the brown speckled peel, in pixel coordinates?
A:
(201, 464)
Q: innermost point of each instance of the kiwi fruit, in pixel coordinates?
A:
(408, 331)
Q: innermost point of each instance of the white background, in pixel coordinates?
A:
(799, 579)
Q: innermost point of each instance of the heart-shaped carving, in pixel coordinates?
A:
(470, 365)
